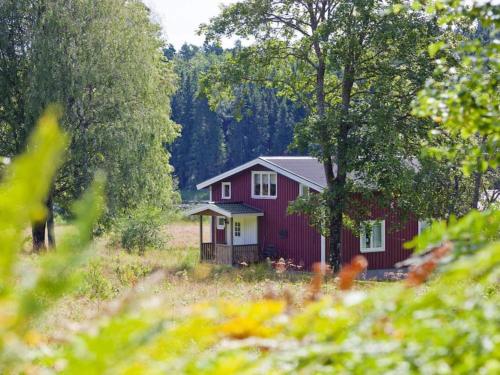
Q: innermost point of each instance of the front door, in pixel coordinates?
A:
(245, 230)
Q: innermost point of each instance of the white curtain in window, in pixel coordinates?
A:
(377, 235)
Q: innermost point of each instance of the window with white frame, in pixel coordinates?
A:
(422, 225)
(237, 229)
(372, 238)
(221, 222)
(226, 190)
(303, 190)
(264, 184)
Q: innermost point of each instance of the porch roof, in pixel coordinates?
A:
(224, 209)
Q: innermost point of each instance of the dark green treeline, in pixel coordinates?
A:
(255, 122)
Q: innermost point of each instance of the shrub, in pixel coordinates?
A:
(95, 285)
(140, 230)
(129, 274)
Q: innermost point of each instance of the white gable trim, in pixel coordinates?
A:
(209, 207)
(217, 210)
(264, 163)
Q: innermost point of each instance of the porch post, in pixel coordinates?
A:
(231, 234)
(232, 240)
(214, 233)
(201, 230)
(201, 238)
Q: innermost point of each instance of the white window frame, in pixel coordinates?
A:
(223, 185)
(303, 190)
(219, 226)
(422, 223)
(237, 229)
(362, 237)
(261, 173)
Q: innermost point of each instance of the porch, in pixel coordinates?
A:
(227, 254)
(233, 233)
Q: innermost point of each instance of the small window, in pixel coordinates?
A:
(237, 229)
(372, 236)
(221, 222)
(422, 225)
(264, 184)
(303, 190)
(226, 190)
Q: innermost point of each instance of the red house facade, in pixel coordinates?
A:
(248, 207)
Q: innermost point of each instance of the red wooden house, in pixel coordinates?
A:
(248, 207)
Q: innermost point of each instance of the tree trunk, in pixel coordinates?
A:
(38, 235)
(336, 223)
(452, 205)
(478, 176)
(51, 235)
(337, 194)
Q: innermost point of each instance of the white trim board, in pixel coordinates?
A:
(265, 163)
(218, 210)
(222, 186)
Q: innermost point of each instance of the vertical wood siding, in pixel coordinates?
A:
(298, 241)
(302, 243)
(398, 230)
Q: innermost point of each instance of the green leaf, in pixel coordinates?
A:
(434, 48)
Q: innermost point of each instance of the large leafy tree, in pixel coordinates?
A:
(463, 96)
(103, 62)
(355, 66)
(16, 20)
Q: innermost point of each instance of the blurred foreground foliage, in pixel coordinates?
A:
(449, 325)
(25, 291)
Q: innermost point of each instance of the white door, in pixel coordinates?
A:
(245, 230)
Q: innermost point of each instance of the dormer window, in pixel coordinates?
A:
(226, 190)
(264, 184)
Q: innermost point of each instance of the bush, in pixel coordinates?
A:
(140, 230)
(129, 274)
(95, 284)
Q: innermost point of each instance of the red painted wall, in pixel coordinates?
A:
(303, 243)
(398, 230)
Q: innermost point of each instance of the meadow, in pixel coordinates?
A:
(74, 311)
(112, 272)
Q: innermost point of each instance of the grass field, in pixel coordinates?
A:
(112, 273)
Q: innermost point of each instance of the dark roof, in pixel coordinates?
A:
(237, 208)
(303, 169)
(224, 209)
(306, 167)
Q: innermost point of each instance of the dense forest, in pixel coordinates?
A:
(255, 122)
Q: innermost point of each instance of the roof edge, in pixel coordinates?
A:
(265, 163)
(207, 207)
(214, 207)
